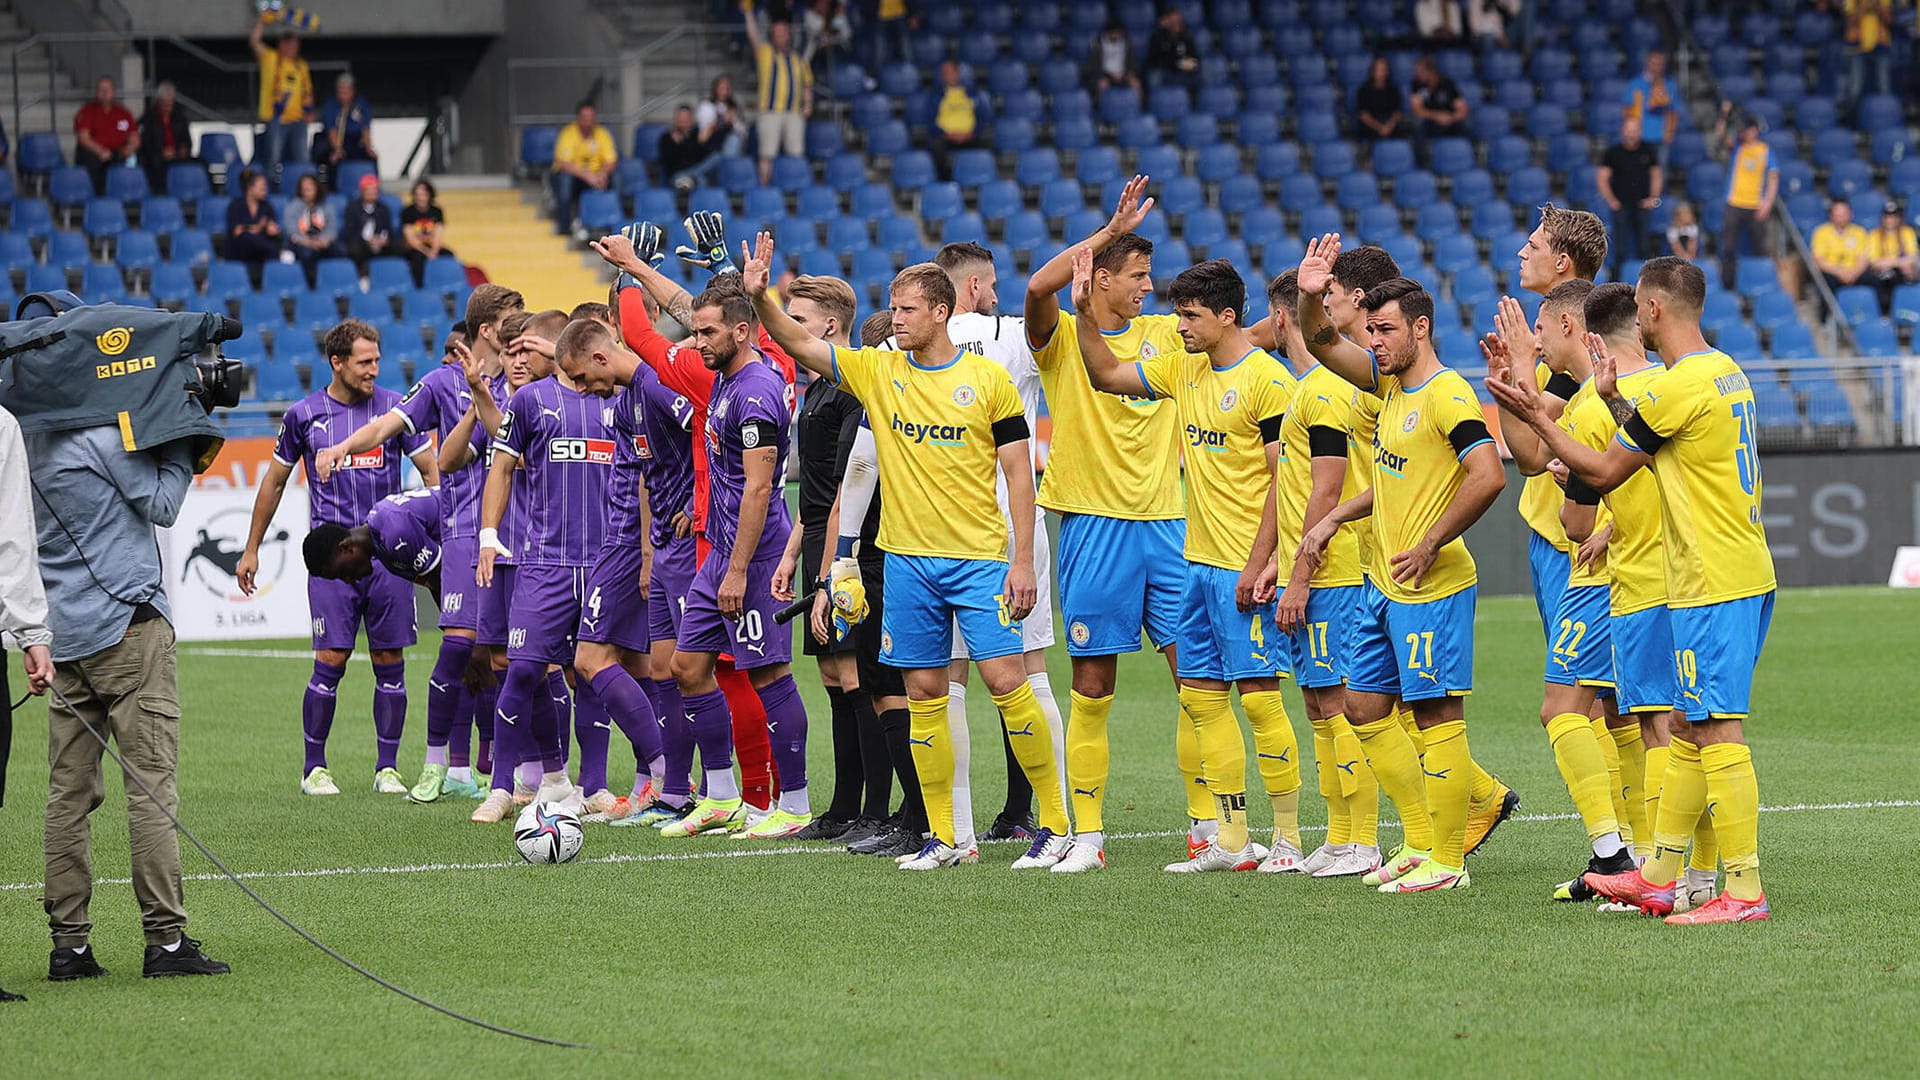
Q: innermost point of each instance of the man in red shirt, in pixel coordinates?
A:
(106, 134)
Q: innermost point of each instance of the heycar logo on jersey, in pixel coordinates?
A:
(937, 434)
(593, 451)
(1389, 462)
(1206, 438)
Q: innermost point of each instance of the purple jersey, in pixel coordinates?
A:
(436, 403)
(565, 442)
(747, 409)
(653, 424)
(516, 511)
(406, 532)
(316, 422)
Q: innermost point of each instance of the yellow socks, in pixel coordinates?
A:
(1682, 798)
(932, 746)
(1656, 778)
(1449, 769)
(1279, 757)
(1404, 717)
(1223, 759)
(1578, 755)
(1186, 751)
(1087, 758)
(1396, 765)
(1633, 780)
(1734, 795)
(1339, 820)
(1357, 783)
(1611, 755)
(1032, 742)
(1706, 845)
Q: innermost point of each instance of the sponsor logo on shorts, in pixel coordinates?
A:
(1079, 633)
(450, 603)
(319, 628)
(516, 638)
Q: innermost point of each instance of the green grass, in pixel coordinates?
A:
(858, 969)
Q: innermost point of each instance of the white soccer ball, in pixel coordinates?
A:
(547, 833)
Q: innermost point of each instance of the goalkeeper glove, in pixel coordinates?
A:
(709, 248)
(646, 238)
(848, 593)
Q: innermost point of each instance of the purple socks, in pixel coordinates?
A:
(628, 706)
(676, 737)
(316, 712)
(447, 695)
(592, 735)
(787, 731)
(389, 712)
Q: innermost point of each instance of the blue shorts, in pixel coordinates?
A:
(1117, 576)
(1580, 649)
(1716, 648)
(459, 596)
(925, 595)
(1219, 641)
(495, 601)
(1317, 653)
(1418, 651)
(1643, 661)
(1549, 567)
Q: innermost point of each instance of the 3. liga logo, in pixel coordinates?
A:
(215, 557)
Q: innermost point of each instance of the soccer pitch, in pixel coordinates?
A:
(759, 959)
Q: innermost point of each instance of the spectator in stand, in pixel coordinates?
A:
(368, 227)
(1630, 181)
(1753, 181)
(719, 118)
(1683, 232)
(887, 23)
(1436, 103)
(956, 119)
(583, 157)
(5, 146)
(1439, 23)
(164, 136)
(1110, 63)
(1650, 100)
(686, 155)
(1840, 247)
(423, 229)
(253, 236)
(1172, 55)
(105, 134)
(286, 99)
(308, 225)
(1893, 258)
(346, 127)
(1377, 103)
(1487, 21)
(1869, 30)
(824, 32)
(786, 92)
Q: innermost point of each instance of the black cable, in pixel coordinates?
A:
(295, 927)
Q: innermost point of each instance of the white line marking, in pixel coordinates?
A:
(761, 852)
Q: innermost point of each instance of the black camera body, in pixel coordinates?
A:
(137, 369)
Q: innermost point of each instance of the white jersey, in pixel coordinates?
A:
(1003, 340)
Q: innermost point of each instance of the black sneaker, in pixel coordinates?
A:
(65, 965)
(884, 840)
(902, 841)
(864, 829)
(823, 829)
(4, 996)
(185, 960)
(1006, 828)
(1578, 891)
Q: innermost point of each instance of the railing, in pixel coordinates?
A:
(642, 84)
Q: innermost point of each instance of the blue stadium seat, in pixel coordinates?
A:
(1333, 159)
(1204, 229)
(1793, 340)
(1181, 194)
(1271, 98)
(536, 147)
(1214, 164)
(999, 200)
(1472, 187)
(1754, 274)
(1240, 193)
(389, 274)
(1097, 166)
(43, 277)
(1451, 155)
(912, 169)
(790, 174)
(318, 311)
(1263, 227)
(1877, 337)
(761, 203)
(655, 204)
(939, 201)
(104, 218)
(40, 153)
(1137, 132)
(1298, 191)
(1858, 304)
(1489, 122)
(1737, 339)
(1197, 131)
(1890, 145)
(1906, 305)
(1077, 133)
(964, 226)
(69, 186)
(1257, 128)
(282, 279)
(899, 78)
(136, 249)
(815, 201)
(1719, 308)
(896, 233)
(1529, 186)
(1376, 220)
(1491, 219)
(1437, 221)
(823, 140)
(1473, 284)
(190, 247)
(1878, 111)
(848, 234)
(1506, 153)
(1084, 222)
(127, 185)
(101, 281)
(1415, 189)
(1026, 231)
(871, 200)
(1276, 161)
(1316, 128)
(1514, 95)
(16, 250)
(600, 210)
(1452, 252)
(1118, 103)
(1320, 219)
(220, 152)
(1848, 179)
(444, 275)
(69, 250)
(1404, 249)
(1833, 146)
(1169, 103)
(887, 138)
(1392, 158)
(1221, 100)
(1355, 190)
(1816, 113)
(1707, 184)
(973, 167)
(172, 284)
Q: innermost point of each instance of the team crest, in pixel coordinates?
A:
(1148, 351)
(1412, 421)
(963, 395)
(1079, 633)
(886, 641)
(1229, 399)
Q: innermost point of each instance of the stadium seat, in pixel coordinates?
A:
(1392, 158)
(871, 200)
(127, 185)
(1298, 191)
(1026, 231)
(847, 234)
(912, 169)
(1097, 166)
(40, 153)
(1489, 122)
(939, 201)
(1877, 337)
(104, 218)
(796, 236)
(1376, 220)
(1214, 164)
(964, 226)
(1471, 188)
(68, 250)
(1180, 194)
(69, 186)
(1240, 194)
(1135, 132)
(1320, 219)
(1204, 228)
(973, 167)
(1276, 161)
(1850, 178)
(1037, 167)
(136, 249)
(389, 273)
(816, 201)
(190, 247)
(1455, 252)
(1793, 340)
(1833, 146)
(1906, 305)
(1859, 304)
(1415, 189)
(790, 174)
(1451, 155)
(1736, 339)
(1878, 111)
(1506, 153)
(1333, 159)
(282, 279)
(999, 199)
(600, 211)
(1528, 187)
(44, 277)
(1356, 190)
(1316, 128)
(887, 139)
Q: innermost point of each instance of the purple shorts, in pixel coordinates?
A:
(495, 601)
(382, 600)
(754, 639)
(459, 596)
(673, 569)
(614, 612)
(545, 617)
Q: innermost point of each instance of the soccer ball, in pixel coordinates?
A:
(547, 833)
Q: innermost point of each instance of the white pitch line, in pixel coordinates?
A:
(762, 852)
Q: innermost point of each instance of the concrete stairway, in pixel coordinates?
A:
(495, 226)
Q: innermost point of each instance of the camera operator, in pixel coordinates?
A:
(96, 504)
(23, 604)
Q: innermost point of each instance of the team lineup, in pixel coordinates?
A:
(606, 532)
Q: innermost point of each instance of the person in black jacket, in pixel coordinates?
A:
(1171, 52)
(253, 233)
(164, 137)
(367, 226)
(685, 157)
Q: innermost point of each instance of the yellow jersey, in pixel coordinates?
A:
(592, 152)
(1112, 456)
(937, 432)
(1321, 414)
(1747, 174)
(286, 87)
(1595, 573)
(1891, 243)
(1842, 247)
(1416, 474)
(1636, 561)
(1364, 408)
(1540, 495)
(1697, 422)
(784, 78)
(1227, 417)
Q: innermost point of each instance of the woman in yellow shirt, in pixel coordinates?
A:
(1893, 257)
